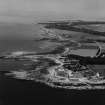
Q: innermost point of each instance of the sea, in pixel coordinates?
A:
(20, 37)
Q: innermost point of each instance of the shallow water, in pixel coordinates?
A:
(14, 37)
(7, 46)
(84, 52)
(11, 64)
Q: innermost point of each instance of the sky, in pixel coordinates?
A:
(35, 10)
